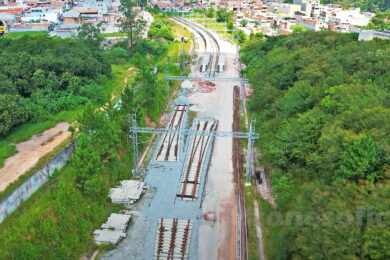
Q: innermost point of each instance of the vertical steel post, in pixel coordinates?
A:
(251, 138)
(134, 136)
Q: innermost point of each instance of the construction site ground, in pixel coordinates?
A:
(209, 239)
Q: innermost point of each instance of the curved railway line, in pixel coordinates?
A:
(215, 50)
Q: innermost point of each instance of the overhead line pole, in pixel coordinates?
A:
(134, 137)
(251, 136)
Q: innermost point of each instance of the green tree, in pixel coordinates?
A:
(91, 33)
(298, 28)
(363, 159)
(240, 36)
(223, 15)
(131, 22)
(12, 112)
(321, 103)
(243, 23)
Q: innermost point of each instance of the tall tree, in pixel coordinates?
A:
(91, 33)
(131, 22)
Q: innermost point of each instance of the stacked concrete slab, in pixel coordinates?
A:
(128, 192)
(114, 230)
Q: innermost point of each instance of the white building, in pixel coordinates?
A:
(352, 16)
(39, 14)
(288, 10)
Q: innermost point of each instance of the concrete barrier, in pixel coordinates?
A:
(33, 183)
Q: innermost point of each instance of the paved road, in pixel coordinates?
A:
(219, 240)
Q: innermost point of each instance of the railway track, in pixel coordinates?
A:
(196, 158)
(238, 169)
(215, 47)
(169, 146)
(172, 239)
(196, 29)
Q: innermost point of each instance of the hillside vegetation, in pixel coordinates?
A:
(58, 221)
(41, 76)
(322, 104)
(46, 80)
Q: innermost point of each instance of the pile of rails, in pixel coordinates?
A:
(128, 192)
(114, 230)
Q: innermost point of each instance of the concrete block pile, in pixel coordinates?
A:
(114, 230)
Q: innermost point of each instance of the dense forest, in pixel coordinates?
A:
(58, 221)
(366, 5)
(41, 76)
(322, 104)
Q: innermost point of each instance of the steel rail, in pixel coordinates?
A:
(214, 55)
(203, 150)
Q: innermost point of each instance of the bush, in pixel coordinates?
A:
(160, 30)
(117, 55)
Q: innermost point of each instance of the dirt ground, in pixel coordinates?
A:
(30, 152)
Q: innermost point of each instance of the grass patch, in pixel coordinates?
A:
(114, 86)
(180, 31)
(253, 251)
(212, 24)
(6, 150)
(41, 216)
(272, 231)
(17, 35)
(115, 34)
(25, 131)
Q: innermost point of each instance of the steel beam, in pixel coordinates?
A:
(181, 78)
(149, 130)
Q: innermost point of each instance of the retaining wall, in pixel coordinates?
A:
(33, 183)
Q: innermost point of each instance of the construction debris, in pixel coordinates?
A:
(114, 230)
(128, 192)
(210, 216)
(205, 86)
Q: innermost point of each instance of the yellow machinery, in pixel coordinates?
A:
(3, 28)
